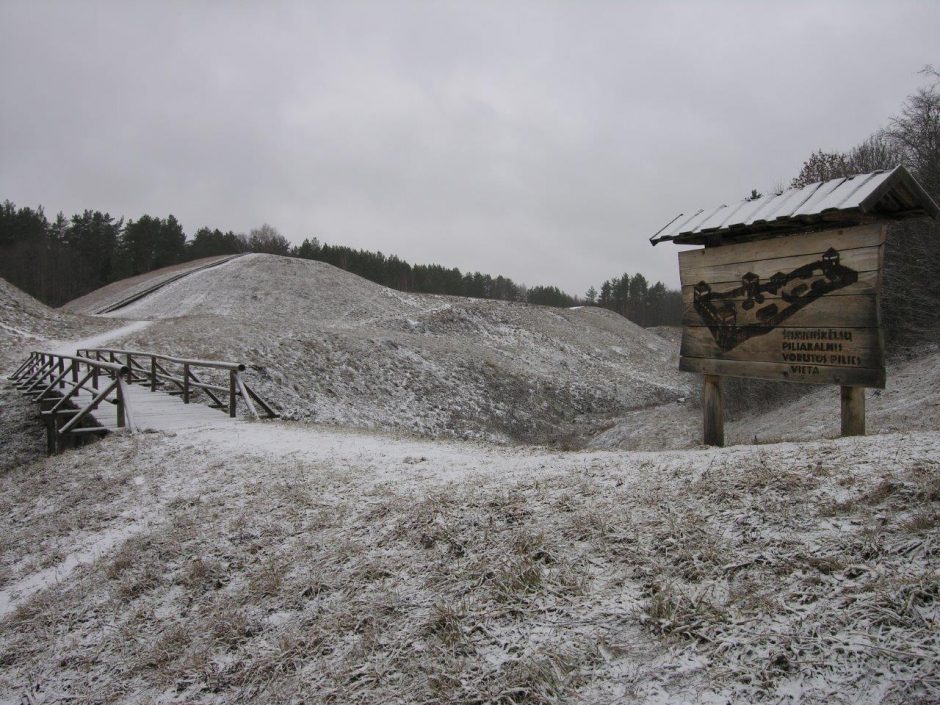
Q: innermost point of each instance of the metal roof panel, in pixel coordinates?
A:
(746, 211)
(878, 192)
(719, 217)
(842, 195)
(791, 200)
(811, 206)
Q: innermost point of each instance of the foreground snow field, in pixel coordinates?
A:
(316, 565)
(297, 562)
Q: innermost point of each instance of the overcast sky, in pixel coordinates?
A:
(544, 141)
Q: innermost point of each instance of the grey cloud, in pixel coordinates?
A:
(545, 141)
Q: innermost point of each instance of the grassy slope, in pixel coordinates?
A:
(115, 292)
(295, 563)
(329, 346)
(333, 567)
(26, 325)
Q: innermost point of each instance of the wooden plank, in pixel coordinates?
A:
(808, 374)
(868, 283)
(859, 311)
(832, 347)
(802, 308)
(272, 414)
(863, 259)
(789, 245)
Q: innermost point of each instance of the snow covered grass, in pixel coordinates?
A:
(302, 563)
(328, 346)
(26, 324)
(329, 566)
(909, 403)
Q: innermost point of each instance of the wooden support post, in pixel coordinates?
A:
(714, 410)
(119, 393)
(153, 373)
(62, 372)
(231, 393)
(853, 411)
(50, 434)
(185, 382)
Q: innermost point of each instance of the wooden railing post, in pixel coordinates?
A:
(130, 369)
(119, 395)
(51, 433)
(185, 382)
(74, 372)
(61, 372)
(714, 411)
(153, 373)
(853, 411)
(231, 393)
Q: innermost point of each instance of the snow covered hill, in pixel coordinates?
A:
(114, 294)
(26, 324)
(305, 563)
(327, 345)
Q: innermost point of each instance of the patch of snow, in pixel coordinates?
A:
(97, 341)
(98, 545)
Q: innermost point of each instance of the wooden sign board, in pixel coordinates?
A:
(800, 308)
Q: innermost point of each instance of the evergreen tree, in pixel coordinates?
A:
(170, 245)
(549, 296)
(93, 239)
(268, 240)
(620, 294)
(212, 243)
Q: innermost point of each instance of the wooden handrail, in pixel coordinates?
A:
(148, 368)
(214, 364)
(58, 378)
(112, 367)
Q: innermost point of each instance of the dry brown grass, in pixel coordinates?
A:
(578, 585)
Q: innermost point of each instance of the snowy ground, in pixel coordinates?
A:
(295, 564)
(26, 324)
(328, 346)
(910, 402)
(95, 301)
(292, 562)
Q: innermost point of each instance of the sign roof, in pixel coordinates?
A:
(842, 202)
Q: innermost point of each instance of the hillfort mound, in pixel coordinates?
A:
(370, 547)
(328, 346)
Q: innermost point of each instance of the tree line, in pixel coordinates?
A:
(59, 260)
(634, 298)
